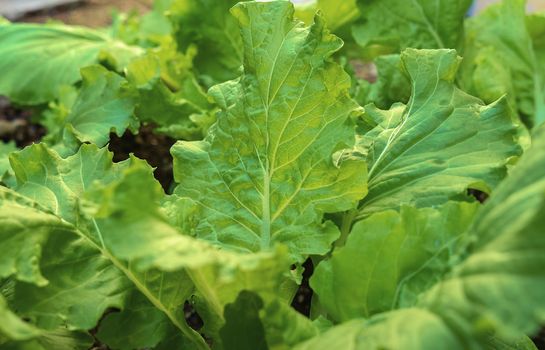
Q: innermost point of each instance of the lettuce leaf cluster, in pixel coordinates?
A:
(344, 139)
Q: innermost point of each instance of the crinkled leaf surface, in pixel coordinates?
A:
(267, 170)
(500, 59)
(389, 259)
(73, 288)
(86, 266)
(126, 214)
(421, 24)
(439, 144)
(504, 262)
(105, 104)
(33, 75)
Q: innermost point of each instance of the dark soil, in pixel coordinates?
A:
(539, 339)
(478, 195)
(154, 148)
(16, 125)
(303, 297)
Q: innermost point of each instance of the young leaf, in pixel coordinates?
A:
(32, 75)
(270, 167)
(439, 144)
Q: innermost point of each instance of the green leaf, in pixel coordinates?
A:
(392, 84)
(243, 329)
(12, 327)
(23, 243)
(360, 280)
(105, 104)
(507, 259)
(58, 183)
(273, 163)
(125, 214)
(500, 59)
(520, 343)
(336, 15)
(59, 340)
(285, 327)
(73, 288)
(184, 113)
(208, 25)
(400, 329)
(86, 266)
(421, 24)
(504, 260)
(438, 145)
(274, 326)
(32, 75)
(5, 150)
(139, 325)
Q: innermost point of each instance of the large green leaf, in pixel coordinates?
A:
(86, 278)
(439, 144)
(70, 289)
(36, 60)
(389, 259)
(273, 163)
(500, 59)
(126, 214)
(109, 254)
(504, 260)
(421, 24)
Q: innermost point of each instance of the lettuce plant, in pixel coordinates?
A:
(287, 163)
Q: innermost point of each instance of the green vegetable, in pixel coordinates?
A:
(312, 204)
